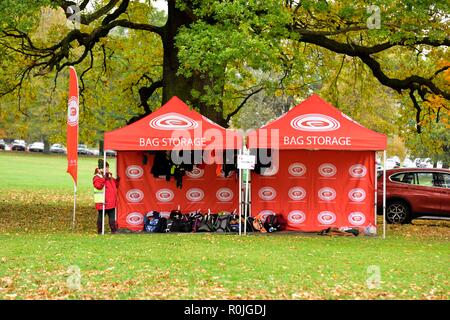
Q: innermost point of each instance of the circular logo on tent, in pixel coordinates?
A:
(165, 195)
(267, 193)
(327, 170)
(327, 194)
(356, 218)
(357, 195)
(264, 214)
(296, 217)
(72, 112)
(315, 122)
(134, 195)
(297, 193)
(224, 194)
(135, 219)
(134, 172)
(173, 121)
(195, 194)
(357, 171)
(196, 173)
(326, 217)
(297, 169)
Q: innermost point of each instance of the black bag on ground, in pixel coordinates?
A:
(197, 220)
(175, 221)
(271, 224)
(234, 223)
(222, 223)
(153, 222)
(207, 224)
(186, 223)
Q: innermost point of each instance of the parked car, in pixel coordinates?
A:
(111, 153)
(57, 148)
(82, 149)
(408, 163)
(94, 152)
(392, 163)
(36, 147)
(423, 163)
(415, 192)
(18, 145)
(2, 144)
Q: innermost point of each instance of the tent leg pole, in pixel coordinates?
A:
(104, 193)
(240, 198)
(384, 195)
(376, 192)
(246, 199)
(74, 204)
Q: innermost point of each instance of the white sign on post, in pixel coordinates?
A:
(246, 161)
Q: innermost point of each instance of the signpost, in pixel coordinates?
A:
(246, 162)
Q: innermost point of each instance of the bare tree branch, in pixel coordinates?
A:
(239, 107)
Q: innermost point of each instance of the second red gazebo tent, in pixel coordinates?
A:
(322, 170)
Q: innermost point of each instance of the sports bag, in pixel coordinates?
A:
(271, 224)
(222, 223)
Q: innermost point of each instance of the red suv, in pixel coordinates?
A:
(413, 193)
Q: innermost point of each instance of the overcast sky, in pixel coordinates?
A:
(160, 4)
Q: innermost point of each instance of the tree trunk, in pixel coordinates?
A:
(177, 85)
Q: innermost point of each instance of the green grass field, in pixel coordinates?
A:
(40, 256)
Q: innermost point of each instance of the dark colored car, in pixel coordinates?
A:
(414, 193)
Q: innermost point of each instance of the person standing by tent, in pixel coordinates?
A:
(104, 179)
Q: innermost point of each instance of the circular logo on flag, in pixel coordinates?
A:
(357, 171)
(327, 194)
(135, 219)
(72, 112)
(195, 173)
(134, 195)
(296, 217)
(297, 193)
(326, 217)
(134, 172)
(327, 170)
(357, 195)
(195, 194)
(173, 121)
(315, 122)
(265, 213)
(165, 195)
(297, 169)
(356, 218)
(267, 193)
(224, 194)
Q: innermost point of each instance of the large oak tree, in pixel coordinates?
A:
(217, 54)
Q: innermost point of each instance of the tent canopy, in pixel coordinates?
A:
(316, 124)
(173, 126)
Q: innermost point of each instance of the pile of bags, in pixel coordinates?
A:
(198, 222)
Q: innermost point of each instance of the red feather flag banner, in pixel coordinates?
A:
(72, 134)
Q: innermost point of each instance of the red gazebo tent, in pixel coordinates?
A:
(323, 171)
(174, 126)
